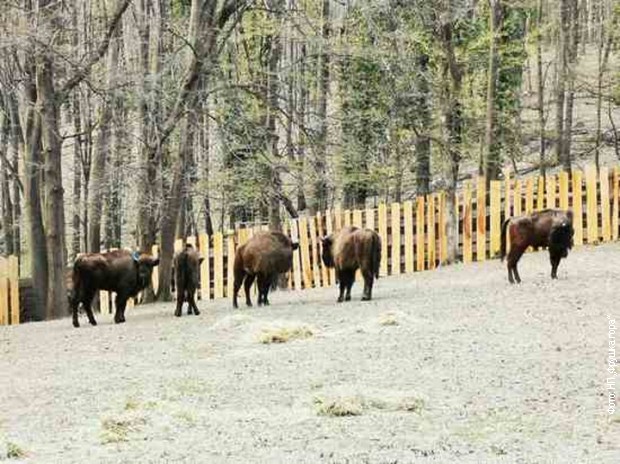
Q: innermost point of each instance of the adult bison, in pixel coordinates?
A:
(552, 228)
(121, 271)
(187, 272)
(264, 257)
(349, 250)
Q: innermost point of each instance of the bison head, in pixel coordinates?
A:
(327, 256)
(145, 264)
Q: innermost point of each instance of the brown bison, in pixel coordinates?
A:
(187, 273)
(349, 250)
(264, 257)
(124, 272)
(552, 228)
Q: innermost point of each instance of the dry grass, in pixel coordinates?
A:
(117, 430)
(284, 334)
(388, 319)
(14, 451)
(339, 406)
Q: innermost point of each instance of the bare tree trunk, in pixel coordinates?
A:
(423, 140)
(561, 83)
(492, 142)
(5, 189)
(17, 145)
(572, 48)
(77, 177)
(540, 89)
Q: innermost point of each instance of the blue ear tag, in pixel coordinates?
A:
(135, 256)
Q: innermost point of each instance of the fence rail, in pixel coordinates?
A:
(414, 234)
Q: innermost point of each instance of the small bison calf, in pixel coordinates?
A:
(187, 275)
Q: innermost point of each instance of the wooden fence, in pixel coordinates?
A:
(414, 233)
(9, 290)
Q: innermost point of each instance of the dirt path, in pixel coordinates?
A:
(447, 366)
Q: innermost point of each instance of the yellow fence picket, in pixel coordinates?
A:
(384, 238)
(551, 201)
(507, 194)
(430, 231)
(347, 218)
(467, 226)
(218, 265)
(408, 214)
(443, 233)
(14, 289)
(563, 179)
(304, 246)
(324, 270)
(605, 213)
(529, 195)
(155, 274)
(517, 199)
(205, 277)
(419, 233)
(495, 226)
(395, 238)
(578, 206)
(591, 206)
(314, 238)
(329, 228)
(481, 215)
(616, 203)
(178, 245)
(337, 218)
(230, 266)
(540, 195)
(4, 291)
(357, 218)
(370, 220)
(296, 254)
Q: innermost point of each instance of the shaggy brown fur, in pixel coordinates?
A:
(349, 250)
(187, 275)
(264, 257)
(120, 271)
(552, 228)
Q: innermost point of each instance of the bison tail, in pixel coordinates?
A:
(376, 255)
(503, 239)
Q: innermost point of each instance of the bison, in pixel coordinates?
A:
(264, 257)
(124, 272)
(187, 272)
(552, 228)
(349, 250)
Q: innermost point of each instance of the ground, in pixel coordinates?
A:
(453, 365)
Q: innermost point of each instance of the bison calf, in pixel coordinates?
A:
(265, 256)
(187, 272)
(124, 272)
(552, 228)
(349, 250)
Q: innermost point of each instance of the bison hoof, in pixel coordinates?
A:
(365, 298)
(76, 324)
(197, 313)
(177, 313)
(340, 299)
(347, 298)
(248, 304)
(93, 322)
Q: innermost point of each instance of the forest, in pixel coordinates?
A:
(128, 123)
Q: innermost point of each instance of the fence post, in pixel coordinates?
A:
(540, 195)
(155, 274)
(529, 195)
(605, 213)
(591, 206)
(4, 291)
(296, 263)
(467, 228)
(330, 229)
(14, 288)
(357, 218)
(324, 270)
(517, 199)
(384, 238)
(306, 270)
(395, 238)
(205, 274)
(481, 207)
(419, 233)
(443, 235)
(507, 194)
(218, 265)
(551, 201)
(578, 206)
(337, 219)
(408, 213)
(496, 198)
(370, 219)
(430, 230)
(230, 267)
(616, 201)
(564, 181)
(314, 238)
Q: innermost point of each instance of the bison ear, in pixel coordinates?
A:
(154, 262)
(294, 245)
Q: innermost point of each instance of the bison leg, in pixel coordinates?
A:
(180, 298)
(87, 301)
(247, 286)
(192, 303)
(119, 314)
(346, 278)
(263, 289)
(342, 283)
(75, 304)
(368, 280)
(513, 258)
(239, 276)
(555, 262)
